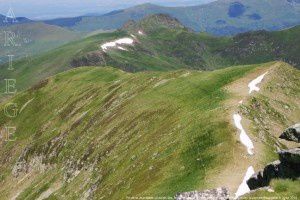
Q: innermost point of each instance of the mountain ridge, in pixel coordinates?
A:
(153, 22)
(4, 21)
(161, 49)
(74, 111)
(34, 38)
(222, 17)
(219, 18)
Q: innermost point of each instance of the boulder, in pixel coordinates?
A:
(214, 194)
(292, 133)
(287, 167)
(291, 156)
(264, 177)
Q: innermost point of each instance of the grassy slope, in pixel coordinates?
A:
(288, 189)
(165, 49)
(29, 71)
(156, 52)
(143, 134)
(35, 38)
(162, 49)
(262, 46)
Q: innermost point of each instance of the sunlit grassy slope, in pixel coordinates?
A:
(283, 189)
(29, 71)
(110, 134)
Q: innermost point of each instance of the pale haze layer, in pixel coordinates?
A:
(47, 9)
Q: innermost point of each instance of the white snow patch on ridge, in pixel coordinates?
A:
(141, 32)
(244, 188)
(121, 48)
(253, 84)
(117, 43)
(243, 135)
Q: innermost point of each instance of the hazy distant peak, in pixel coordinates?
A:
(154, 21)
(146, 5)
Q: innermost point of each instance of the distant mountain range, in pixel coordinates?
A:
(223, 17)
(5, 21)
(163, 43)
(33, 38)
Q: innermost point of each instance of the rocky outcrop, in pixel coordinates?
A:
(291, 156)
(264, 177)
(292, 133)
(214, 194)
(95, 58)
(287, 167)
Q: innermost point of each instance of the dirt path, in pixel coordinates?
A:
(232, 174)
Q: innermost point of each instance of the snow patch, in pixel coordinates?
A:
(270, 190)
(253, 84)
(122, 48)
(243, 135)
(141, 32)
(186, 74)
(117, 43)
(244, 188)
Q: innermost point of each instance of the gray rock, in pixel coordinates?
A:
(291, 156)
(287, 167)
(292, 133)
(214, 194)
(264, 177)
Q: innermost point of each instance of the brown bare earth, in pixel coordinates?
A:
(232, 174)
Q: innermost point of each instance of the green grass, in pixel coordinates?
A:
(162, 49)
(165, 137)
(29, 71)
(128, 134)
(262, 46)
(283, 189)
